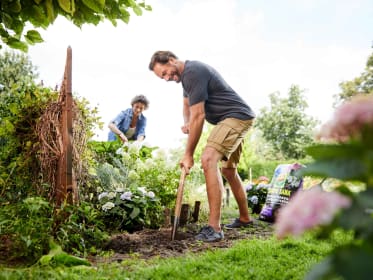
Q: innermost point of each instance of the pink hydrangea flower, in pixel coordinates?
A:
(308, 209)
(349, 119)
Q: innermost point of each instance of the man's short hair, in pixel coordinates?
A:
(161, 57)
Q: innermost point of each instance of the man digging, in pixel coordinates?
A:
(208, 96)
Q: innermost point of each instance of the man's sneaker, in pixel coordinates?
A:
(208, 234)
(238, 224)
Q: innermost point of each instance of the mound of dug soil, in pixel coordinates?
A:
(150, 243)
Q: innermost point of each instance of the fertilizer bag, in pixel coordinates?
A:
(283, 186)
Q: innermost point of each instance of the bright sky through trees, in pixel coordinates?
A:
(258, 46)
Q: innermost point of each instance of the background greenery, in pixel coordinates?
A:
(29, 218)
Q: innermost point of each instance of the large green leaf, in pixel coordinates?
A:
(33, 37)
(17, 25)
(326, 151)
(339, 168)
(323, 270)
(135, 212)
(353, 262)
(125, 16)
(95, 5)
(15, 6)
(7, 20)
(17, 44)
(137, 10)
(67, 5)
(38, 17)
(49, 8)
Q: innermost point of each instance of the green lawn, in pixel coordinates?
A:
(248, 259)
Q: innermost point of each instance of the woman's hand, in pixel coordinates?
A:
(123, 137)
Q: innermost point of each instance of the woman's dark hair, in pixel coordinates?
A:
(142, 99)
(161, 57)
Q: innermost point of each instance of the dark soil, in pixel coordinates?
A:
(151, 243)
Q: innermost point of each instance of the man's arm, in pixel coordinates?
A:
(186, 116)
(196, 121)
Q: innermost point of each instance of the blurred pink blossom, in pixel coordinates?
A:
(349, 119)
(308, 209)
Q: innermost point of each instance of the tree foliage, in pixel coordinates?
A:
(285, 125)
(16, 72)
(17, 15)
(362, 84)
(22, 106)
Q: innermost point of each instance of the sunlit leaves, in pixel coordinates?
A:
(49, 9)
(95, 5)
(41, 13)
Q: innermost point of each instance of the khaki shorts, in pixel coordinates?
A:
(227, 137)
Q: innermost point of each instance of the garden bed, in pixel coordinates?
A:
(150, 243)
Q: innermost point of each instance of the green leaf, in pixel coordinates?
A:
(15, 6)
(49, 8)
(69, 260)
(17, 44)
(67, 5)
(33, 37)
(95, 5)
(353, 262)
(344, 169)
(37, 16)
(7, 20)
(321, 271)
(137, 10)
(326, 151)
(365, 198)
(135, 212)
(17, 26)
(125, 15)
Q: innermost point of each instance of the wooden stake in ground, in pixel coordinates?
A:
(179, 199)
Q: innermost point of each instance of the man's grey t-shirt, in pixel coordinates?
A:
(201, 82)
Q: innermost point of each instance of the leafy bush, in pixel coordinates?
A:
(25, 229)
(346, 155)
(130, 209)
(256, 196)
(80, 229)
(131, 170)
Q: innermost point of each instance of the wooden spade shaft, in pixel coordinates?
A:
(179, 199)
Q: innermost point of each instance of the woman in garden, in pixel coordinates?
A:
(130, 124)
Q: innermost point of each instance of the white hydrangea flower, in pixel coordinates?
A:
(254, 199)
(151, 194)
(108, 206)
(111, 195)
(126, 196)
(142, 190)
(102, 195)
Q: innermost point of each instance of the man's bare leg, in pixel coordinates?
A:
(214, 185)
(234, 180)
